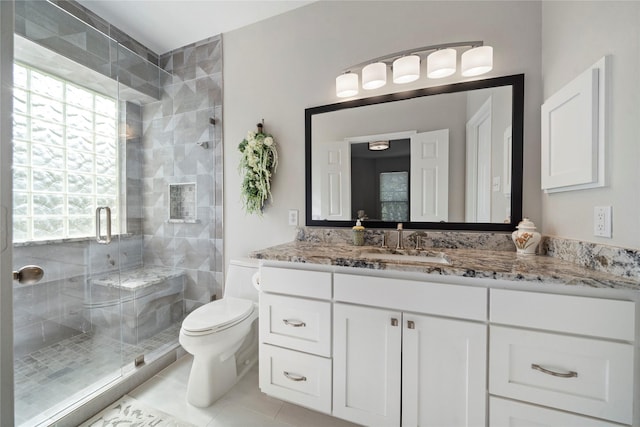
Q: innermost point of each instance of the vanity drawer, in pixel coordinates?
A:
(507, 413)
(605, 318)
(304, 283)
(297, 323)
(464, 302)
(300, 378)
(597, 376)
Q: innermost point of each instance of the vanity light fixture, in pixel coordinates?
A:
(476, 61)
(347, 85)
(374, 75)
(405, 65)
(406, 69)
(378, 145)
(441, 63)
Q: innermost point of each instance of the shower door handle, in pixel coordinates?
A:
(28, 275)
(99, 238)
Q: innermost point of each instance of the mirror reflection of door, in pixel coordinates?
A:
(335, 180)
(478, 169)
(430, 176)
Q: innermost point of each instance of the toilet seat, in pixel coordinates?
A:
(217, 316)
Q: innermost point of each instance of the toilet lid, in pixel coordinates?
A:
(218, 315)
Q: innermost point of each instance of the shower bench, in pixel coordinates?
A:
(137, 303)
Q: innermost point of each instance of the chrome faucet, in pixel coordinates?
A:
(400, 244)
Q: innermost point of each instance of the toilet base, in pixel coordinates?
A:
(210, 380)
(212, 376)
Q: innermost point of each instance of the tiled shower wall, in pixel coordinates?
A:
(48, 26)
(176, 131)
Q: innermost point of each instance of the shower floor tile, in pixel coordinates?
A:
(45, 378)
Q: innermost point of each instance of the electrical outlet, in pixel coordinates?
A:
(293, 217)
(602, 221)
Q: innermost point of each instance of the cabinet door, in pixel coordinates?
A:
(443, 372)
(366, 374)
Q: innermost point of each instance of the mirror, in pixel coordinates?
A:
(446, 157)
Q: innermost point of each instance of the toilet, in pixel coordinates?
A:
(222, 336)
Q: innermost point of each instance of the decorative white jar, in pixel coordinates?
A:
(526, 238)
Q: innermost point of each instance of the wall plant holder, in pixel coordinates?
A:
(182, 203)
(573, 133)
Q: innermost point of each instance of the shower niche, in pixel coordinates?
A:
(182, 203)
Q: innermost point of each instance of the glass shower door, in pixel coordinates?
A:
(68, 324)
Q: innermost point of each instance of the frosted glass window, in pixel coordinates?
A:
(65, 157)
(394, 196)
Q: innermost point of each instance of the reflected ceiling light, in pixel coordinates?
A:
(378, 145)
(476, 61)
(374, 75)
(347, 85)
(441, 62)
(406, 69)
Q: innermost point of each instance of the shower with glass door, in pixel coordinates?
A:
(98, 309)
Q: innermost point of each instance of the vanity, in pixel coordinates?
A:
(484, 338)
(466, 332)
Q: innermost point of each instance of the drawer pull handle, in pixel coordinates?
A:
(294, 323)
(411, 324)
(394, 322)
(294, 377)
(570, 374)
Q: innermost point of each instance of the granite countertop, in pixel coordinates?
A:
(504, 265)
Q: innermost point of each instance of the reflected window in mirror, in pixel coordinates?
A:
(394, 196)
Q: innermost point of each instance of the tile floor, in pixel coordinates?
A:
(46, 379)
(243, 406)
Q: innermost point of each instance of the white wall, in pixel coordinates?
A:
(278, 67)
(574, 36)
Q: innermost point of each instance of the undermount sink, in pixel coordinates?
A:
(412, 255)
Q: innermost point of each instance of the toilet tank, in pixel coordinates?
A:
(238, 281)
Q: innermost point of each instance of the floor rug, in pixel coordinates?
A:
(130, 412)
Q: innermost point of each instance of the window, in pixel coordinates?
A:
(394, 196)
(65, 157)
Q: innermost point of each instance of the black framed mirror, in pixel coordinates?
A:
(446, 157)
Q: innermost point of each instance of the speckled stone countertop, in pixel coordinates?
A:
(499, 265)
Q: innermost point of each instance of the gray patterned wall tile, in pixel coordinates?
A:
(83, 14)
(78, 39)
(186, 105)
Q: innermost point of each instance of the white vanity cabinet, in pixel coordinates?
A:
(381, 348)
(295, 336)
(566, 352)
(392, 361)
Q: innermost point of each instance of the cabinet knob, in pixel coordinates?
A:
(394, 322)
(411, 324)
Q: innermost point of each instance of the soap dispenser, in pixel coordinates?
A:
(526, 238)
(358, 234)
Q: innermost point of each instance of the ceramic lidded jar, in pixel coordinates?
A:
(526, 238)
